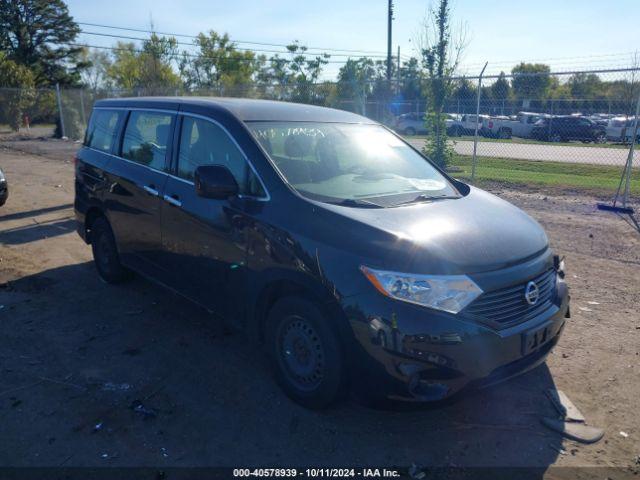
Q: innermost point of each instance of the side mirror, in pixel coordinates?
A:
(215, 181)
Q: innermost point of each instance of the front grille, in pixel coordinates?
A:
(507, 306)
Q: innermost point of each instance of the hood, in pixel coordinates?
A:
(476, 233)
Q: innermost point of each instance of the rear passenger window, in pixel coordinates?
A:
(205, 143)
(146, 138)
(102, 129)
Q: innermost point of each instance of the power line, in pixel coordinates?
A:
(255, 50)
(554, 59)
(189, 55)
(550, 74)
(265, 44)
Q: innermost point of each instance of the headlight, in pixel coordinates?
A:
(450, 293)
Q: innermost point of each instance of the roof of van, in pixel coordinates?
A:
(243, 108)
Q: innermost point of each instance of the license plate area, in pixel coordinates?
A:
(535, 338)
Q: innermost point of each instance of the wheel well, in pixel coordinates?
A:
(270, 295)
(92, 215)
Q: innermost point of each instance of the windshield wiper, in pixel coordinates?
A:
(428, 198)
(357, 202)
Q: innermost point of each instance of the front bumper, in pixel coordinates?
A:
(416, 354)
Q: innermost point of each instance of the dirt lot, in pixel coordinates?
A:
(79, 356)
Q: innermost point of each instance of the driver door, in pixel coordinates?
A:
(204, 239)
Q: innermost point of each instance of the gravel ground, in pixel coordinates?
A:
(79, 356)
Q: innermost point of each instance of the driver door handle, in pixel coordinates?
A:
(173, 200)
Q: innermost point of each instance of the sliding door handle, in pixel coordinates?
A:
(173, 201)
(150, 190)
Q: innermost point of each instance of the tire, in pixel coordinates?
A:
(410, 131)
(105, 253)
(504, 133)
(555, 137)
(306, 353)
(456, 132)
(600, 138)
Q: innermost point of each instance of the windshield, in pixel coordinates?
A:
(352, 164)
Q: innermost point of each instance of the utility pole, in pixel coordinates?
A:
(389, 19)
(398, 74)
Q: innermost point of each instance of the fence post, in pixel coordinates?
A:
(84, 118)
(475, 135)
(60, 109)
(625, 196)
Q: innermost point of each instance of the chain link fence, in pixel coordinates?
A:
(568, 130)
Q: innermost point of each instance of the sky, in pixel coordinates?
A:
(566, 34)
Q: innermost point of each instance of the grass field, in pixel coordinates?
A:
(593, 177)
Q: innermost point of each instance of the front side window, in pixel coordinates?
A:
(344, 163)
(146, 138)
(102, 129)
(205, 143)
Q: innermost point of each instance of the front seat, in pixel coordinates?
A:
(295, 168)
(327, 165)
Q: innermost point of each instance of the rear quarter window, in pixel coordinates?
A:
(101, 131)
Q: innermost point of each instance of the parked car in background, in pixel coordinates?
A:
(466, 125)
(415, 123)
(329, 240)
(620, 129)
(568, 127)
(519, 125)
(410, 124)
(601, 118)
(4, 188)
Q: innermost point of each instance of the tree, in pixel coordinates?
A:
(355, 81)
(20, 94)
(585, 86)
(295, 76)
(124, 71)
(218, 64)
(37, 34)
(440, 57)
(500, 89)
(464, 89)
(411, 80)
(531, 80)
(149, 69)
(95, 75)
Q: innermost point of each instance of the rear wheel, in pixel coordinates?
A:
(600, 138)
(555, 137)
(306, 353)
(410, 131)
(105, 253)
(504, 133)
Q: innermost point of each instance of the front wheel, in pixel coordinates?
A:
(555, 137)
(105, 253)
(306, 353)
(410, 131)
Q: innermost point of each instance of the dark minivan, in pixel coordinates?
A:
(351, 257)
